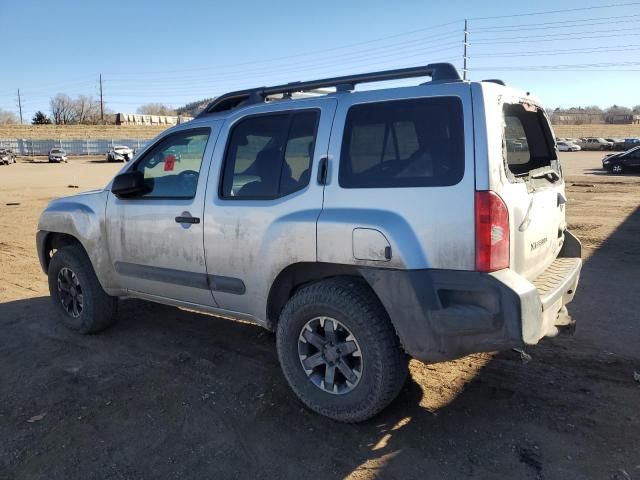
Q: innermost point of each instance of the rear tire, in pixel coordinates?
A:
(360, 325)
(78, 298)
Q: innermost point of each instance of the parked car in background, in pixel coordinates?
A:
(629, 143)
(593, 143)
(57, 155)
(617, 142)
(7, 157)
(514, 145)
(568, 147)
(120, 153)
(622, 162)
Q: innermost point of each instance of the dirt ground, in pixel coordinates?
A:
(169, 393)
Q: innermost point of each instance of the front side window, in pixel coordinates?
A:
(528, 143)
(406, 143)
(269, 156)
(172, 167)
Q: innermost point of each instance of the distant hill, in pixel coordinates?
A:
(54, 132)
(194, 108)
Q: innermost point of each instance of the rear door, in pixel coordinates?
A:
(263, 199)
(531, 186)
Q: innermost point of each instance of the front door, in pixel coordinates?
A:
(155, 240)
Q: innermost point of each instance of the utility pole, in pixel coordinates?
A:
(20, 106)
(102, 104)
(465, 56)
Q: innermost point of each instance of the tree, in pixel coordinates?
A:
(40, 119)
(7, 117)
(155, 109)
(194, 108)
(86, 110)
(636, 109)
(617, 110)
(62, 109)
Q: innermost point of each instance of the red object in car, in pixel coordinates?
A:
(169, 163)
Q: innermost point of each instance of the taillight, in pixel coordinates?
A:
(492, 232)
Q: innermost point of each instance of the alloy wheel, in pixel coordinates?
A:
(70, 292)
(330, 355)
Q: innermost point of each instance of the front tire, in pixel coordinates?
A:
(339, 351)
(78, 298)
(617, 169)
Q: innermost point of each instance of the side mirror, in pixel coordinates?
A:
(129, 184)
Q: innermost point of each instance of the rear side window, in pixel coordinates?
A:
(528, 143)
(406, 143)
(269, 156)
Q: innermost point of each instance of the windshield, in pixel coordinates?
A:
(528, 142)
(55, 150)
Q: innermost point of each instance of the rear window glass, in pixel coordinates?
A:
(528, 143)
(269, 156)
(406, 143)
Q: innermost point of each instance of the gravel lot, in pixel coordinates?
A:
(169, 393)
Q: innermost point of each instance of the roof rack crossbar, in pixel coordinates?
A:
(437, 72)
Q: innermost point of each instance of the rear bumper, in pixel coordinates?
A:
(445, 314)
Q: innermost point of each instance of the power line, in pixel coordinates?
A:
(221, 86)
(558, 24)
(286, 61)
(569, 51)
(561, 35)
(560, 67)
(565, 10)
(369, 59)
(325, 51)
(513, 40)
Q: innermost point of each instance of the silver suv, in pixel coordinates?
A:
(362, 227)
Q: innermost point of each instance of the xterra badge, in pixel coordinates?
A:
(538, 243)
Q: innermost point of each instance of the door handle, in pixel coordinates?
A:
(323, 169)
(191, 220)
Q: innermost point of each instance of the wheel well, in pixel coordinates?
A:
(295, 276)
(55, 241)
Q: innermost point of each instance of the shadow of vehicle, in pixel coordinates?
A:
(606, 173)
(169, 393)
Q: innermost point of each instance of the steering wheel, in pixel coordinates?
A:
(188, 179)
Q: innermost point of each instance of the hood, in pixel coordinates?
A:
(81, 197)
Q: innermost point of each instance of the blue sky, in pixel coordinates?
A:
(174, 52)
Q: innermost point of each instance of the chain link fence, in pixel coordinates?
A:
(89, 146)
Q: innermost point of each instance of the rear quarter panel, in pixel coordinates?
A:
(426, 227)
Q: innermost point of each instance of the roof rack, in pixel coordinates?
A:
(495, 80)
(437, 72)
